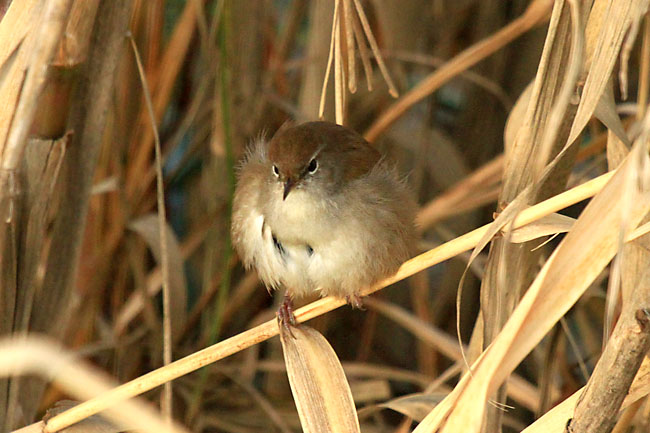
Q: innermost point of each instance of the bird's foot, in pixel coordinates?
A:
(286, 318)
(355, 301)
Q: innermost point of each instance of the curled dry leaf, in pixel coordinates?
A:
(318, 384)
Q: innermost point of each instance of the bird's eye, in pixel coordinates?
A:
(276, 172)
(313, 166)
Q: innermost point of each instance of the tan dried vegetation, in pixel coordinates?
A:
(523, 126)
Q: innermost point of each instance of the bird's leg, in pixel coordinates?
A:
(285, 314)
(355, 301)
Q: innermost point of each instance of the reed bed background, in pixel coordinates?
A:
(523, 129)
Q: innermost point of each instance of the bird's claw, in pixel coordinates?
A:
(355, 301)
(286, 318)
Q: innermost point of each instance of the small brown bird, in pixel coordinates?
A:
(317, 209)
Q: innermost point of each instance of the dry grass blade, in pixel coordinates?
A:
(38, 356)
(330, 58)
(269, 329)
(163, 235)
(318, 384)
(375, 49)
(345, 25)
(581, 256)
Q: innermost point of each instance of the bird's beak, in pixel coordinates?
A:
(288, 186)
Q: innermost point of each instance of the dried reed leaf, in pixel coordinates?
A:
(614, 24)
(606, 112)
(581, 256)
(516, 119)
(530, 138)
(147, 227)
(415, 406)
(320, 389)
(549, 225)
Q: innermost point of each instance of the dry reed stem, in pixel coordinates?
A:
(601, 400)
(15, 35)
(33, 355)
(330, 58)
(269, 329)
(349, 39)
(51, 27)
(162, 223)
(363, 51)
(375, 49)
(339, 80)
(555, 420)
(644, 71)
(75, 41)
(535, 14)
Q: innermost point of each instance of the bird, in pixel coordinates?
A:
(317, 209)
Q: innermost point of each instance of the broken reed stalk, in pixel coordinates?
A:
(52, 24)
(269, 329)
(599, 404)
